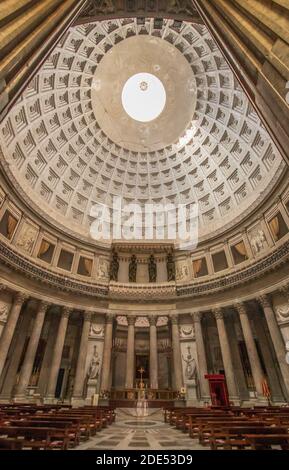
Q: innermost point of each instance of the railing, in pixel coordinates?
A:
(147, 394)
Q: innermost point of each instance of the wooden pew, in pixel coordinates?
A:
(234, 437)
(197, 424)
(73, 426)
(10, 444)
(33, 437)
(266, 441)
(81, 425)
(211, 428)
(62, 429)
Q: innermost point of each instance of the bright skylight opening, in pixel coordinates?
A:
(143, 97)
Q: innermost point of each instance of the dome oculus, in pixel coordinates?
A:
(143, 97)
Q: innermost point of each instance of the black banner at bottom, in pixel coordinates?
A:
(129, 459)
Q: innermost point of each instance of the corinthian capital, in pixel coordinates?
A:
(218, 313)
(264, 301)
(174, 319)
(197, 317)
(241, 308)
(66, 311)
(42, 306)
(153, 320)
(131, 320)
(20, 298)
(109, 318)
(284, 290)
(87, 316)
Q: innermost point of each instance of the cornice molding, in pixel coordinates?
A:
(97, 10)
(62, 282)
(260, 268)
(140, 292)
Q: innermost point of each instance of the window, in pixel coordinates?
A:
(239, 252)
(65, 260)
(84, 266)
(278, 227)
(200, 267)
(8, 225)
(46, 251)
(219, 261)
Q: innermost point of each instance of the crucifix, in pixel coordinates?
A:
(141, 371)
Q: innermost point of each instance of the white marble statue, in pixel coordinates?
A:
(191, 367)
(94, 365)
(258, 241)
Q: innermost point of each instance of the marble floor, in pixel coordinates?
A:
(132, 433)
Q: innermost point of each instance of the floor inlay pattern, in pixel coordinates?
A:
(149, 433)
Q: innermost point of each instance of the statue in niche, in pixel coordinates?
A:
(27, 238)
(132, 269)
(171, 269)
(152, 269)
(258, 241)
(191, 367)
(93, 369)
(114, 267)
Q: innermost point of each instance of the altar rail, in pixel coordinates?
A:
(135, 394)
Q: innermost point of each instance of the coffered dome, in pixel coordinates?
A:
(69, 143)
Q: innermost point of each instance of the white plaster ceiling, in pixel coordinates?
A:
(62, 160)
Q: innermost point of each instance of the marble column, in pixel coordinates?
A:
(30, 29)
(81, 360)
(47, 358)
(177, 357)
(226, 354)
(268, 354)
(201, 354)
(9, 329)
(130, 361)
(252, 36)
(57, 353)
(15, 354)
(107, 350)
(153, 353)
(27, 366)
(254, 360)
(277, 339)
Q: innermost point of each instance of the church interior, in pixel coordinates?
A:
(121, 328)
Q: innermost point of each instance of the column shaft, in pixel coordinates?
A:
(201, 354)
(277, 339)
(17, 348)
(129, 377)
(57, 352)
(29, 30)
(9, 329)
(153, 353)
(177, 357)
(82, 354)
(226, 354)
(27, 365)
(47, 358)
(107, 349)
(254, 360)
